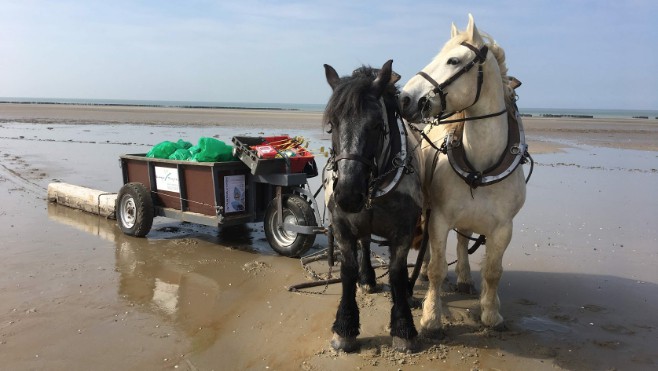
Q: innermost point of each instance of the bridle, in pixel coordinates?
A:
(368, 161)
(517, 149)
(400, 159)
(439, 89)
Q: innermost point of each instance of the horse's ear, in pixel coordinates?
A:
(395, 77)
(472, 31)
(453, 30)
(383, 78)
(332, 76)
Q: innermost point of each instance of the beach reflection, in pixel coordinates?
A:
(181, 279)
(206, 281)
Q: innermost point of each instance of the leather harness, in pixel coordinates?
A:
(515, 154)
(516, 151)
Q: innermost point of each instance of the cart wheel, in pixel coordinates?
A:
(134, 209)
(297, 211)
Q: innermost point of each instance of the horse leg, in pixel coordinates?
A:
(492, 270)
(346, 325)
(463, 268)
(367, 278)
(430, 322)
(403, 330)
(423, 268)
(419, 239)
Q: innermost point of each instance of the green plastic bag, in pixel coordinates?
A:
(183, 144)
(167, 149)
(162, 150)
(194, 150)
(181, 154)
(213, 150)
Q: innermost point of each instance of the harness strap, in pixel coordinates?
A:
(479, 59)
(354, 157)
(473, 118)
(513, 156)
(394, 160)
(481, 54)
(438, 88)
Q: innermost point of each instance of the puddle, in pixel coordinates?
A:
(539, 324)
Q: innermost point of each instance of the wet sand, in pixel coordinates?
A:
(579, 292)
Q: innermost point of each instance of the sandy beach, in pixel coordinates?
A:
(579, 292)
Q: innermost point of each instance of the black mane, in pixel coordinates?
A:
(350, 97)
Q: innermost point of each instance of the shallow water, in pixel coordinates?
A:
(593, 209)
(580, 268)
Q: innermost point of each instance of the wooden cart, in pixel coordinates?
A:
(273, 191)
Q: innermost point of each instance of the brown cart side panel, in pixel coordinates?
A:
(198, 181)
(136, 171)
(202, 195)
(140, 171)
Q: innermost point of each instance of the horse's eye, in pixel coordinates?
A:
(453, 61)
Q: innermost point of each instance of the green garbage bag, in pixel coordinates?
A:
(183, 144)
(167, 148)
(213, 150)
(162, 150)
(194, 150)
(181, 154)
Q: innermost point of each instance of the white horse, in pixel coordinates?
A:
(468, 77)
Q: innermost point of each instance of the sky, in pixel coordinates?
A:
(568, 53)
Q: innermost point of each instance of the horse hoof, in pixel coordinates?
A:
(466, 288)
(433, 334)
(405, 345)
(347, 345)
(501, 327)
(367, 288)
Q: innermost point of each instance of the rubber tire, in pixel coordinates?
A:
(134, 210)
(295, 209)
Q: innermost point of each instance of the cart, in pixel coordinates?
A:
(274, 191)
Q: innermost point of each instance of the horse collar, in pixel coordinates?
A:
(394, 160)
(515, 154)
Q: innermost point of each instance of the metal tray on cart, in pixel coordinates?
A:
(302, 163)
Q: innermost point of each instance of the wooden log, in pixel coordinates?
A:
(90, 200)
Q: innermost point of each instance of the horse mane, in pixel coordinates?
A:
(348, 100)
(499, 53)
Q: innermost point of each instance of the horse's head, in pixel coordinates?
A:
(453, 80)
(356, 116)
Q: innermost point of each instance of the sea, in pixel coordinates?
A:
(527, 111)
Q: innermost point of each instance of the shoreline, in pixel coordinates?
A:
(544, 134)
(146, 105)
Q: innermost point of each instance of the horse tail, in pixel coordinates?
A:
(418, 233)
(420, 241)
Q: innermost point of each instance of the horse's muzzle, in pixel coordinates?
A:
(410, 111)
(350, 202)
